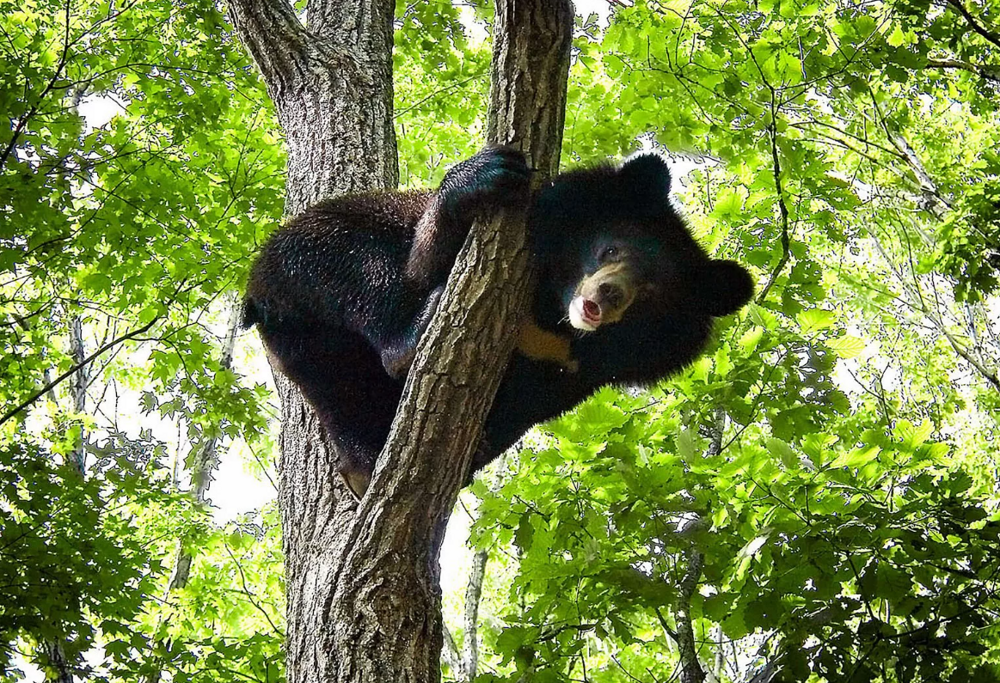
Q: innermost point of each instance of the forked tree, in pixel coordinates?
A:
(363, 590)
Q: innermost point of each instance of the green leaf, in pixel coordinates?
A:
(784, 452)
(913, 436)
(762, 317)
(846, 346)
(525, 532)
(686, 445)
(815, 319)
(857, 457)
(897, 37)
(751, 339)
(97, 282)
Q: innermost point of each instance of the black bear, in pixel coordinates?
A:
(342, 294)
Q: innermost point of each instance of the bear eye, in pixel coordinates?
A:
(609, 253)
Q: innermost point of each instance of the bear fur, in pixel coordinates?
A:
(343, 292)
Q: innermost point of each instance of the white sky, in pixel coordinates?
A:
(588, 7)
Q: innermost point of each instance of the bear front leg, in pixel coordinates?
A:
(495, 177)
(398, 354)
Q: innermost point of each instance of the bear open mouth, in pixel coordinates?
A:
(585, 314)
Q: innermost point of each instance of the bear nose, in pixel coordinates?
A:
(611, 295)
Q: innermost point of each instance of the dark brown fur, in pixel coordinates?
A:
(342, 294)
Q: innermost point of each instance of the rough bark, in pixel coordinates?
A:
(333, 95)
(363, 579)
(331, 84)
(386, 609)
(473, 596)
(387, 600)
(531, 50)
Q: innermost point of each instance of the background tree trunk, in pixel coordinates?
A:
(363, 579)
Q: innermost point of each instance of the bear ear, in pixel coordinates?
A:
(723, 287)
(646, 175)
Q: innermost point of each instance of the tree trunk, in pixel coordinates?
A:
(473, 596)
(332, 89)
(60, 666)
(531, 48)
(78, 389)
(363, 579)
(691, 669)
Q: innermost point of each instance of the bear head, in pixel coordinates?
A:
(612, 246)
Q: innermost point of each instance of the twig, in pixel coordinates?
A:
(86, 361)
(975, 25)
(783, 213)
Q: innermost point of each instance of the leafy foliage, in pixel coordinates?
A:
(64, 555)
(824, 477)
(123, 238)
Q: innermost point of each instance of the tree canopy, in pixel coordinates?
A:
(814, 499)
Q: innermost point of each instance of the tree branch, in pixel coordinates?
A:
(529, 73)
(473, 596)
(786, 251)
(985, 372)
(78, 366)
(78, 388)
(691, 671)
(273, 35)
(935, 203)
(451, 384)
(974, 24)
(986, 71)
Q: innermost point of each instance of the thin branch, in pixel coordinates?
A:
(664, 625)
(987, 374)
(985, 71)
(974, 24)
(78, 366)
(440, 91)
(549, 635)
(250, 596)
(20, 321)
(868, 143)
(786, 250)
(919, 304)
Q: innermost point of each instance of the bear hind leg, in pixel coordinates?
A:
(398, 354)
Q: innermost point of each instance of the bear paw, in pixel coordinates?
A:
(495, 177)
